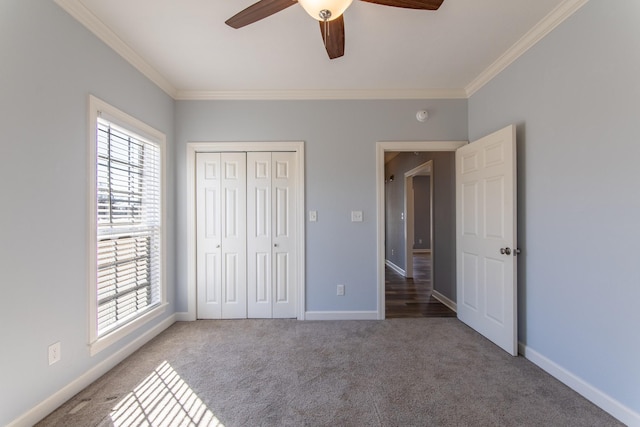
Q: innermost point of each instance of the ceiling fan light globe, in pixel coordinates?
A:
(315, 7)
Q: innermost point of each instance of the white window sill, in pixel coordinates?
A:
(112, 337)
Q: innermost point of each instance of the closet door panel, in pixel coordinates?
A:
(208, 261)
(234, 235)
(284, 242)
(259, 235)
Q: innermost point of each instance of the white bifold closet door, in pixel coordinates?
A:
(221, 224)
(246, 261)
(271, 266)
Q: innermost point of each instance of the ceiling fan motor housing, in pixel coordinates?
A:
(325, 14)
(325, 10)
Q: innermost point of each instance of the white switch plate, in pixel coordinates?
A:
(356, 216)
(54, 353)
(340, 290)
(313, 216)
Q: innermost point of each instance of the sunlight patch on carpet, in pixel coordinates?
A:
(163, 399)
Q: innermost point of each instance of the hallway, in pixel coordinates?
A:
(408, 298)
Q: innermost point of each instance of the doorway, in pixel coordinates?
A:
(414, 274)
(381, 149)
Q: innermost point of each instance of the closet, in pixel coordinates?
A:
(245, 235)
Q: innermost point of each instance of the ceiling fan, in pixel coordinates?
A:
(328, 12)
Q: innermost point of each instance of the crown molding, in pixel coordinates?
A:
(322, 94)
(77, 10)
(556, 17)
(83, 15)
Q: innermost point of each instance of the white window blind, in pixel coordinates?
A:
(128, 178)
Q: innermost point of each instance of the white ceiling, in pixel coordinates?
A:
(185, 47)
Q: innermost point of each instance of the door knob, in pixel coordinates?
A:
(505, 251)
(275, 245)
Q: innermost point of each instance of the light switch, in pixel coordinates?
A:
(356, 216)
(313, 216)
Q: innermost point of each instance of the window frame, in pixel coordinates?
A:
(97, 109)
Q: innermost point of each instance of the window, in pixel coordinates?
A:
(127, 224)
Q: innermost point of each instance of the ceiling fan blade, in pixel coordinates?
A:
(333, 36)
(258, 11)
(410, 4)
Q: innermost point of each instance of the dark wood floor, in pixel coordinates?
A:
(413, 297)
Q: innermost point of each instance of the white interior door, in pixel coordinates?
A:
(221, 243)
(486, 237)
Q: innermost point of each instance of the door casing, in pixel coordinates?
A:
(208, 147)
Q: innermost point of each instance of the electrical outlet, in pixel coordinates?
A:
(340, 291)
(55, 353)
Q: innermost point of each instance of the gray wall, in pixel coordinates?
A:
(444, 217)
(575, 98)
(49, 65)
(340, 139)
(422, 212)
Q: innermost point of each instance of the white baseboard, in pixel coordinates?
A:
(341, 315)
(446, 301)
(185, 316)
(624, 414)
(54, 401)
(394, 267)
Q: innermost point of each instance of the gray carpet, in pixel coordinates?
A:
(399, 372)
